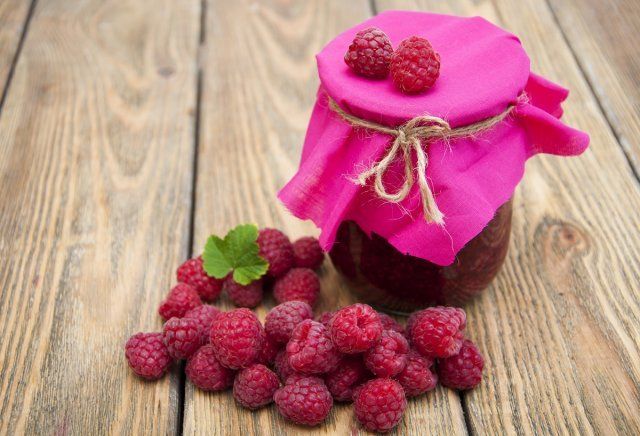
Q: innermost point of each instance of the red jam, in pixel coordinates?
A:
(385, 278)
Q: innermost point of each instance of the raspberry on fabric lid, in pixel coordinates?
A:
(484, 71)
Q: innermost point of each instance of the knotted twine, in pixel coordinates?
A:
(416, 134)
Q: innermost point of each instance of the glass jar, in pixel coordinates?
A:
(383, 277)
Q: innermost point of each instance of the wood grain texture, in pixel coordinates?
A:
(604, 38)
(259, 85)
(96, 158)
(13, 18)
(560, 327)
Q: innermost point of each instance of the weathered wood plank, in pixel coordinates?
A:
(13, 18)
(259, 85)
(96, 148)
(561, 325)
(603, 37)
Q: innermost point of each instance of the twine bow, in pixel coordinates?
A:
(414, 135)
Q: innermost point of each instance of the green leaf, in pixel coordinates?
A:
(237, 252)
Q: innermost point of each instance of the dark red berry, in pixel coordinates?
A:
(237, 337)
(147, 355)
(389, 323)
(204, 316)
(310, 350)
(307, 253)
(355, 328)
(192, 273)
(182, 337)
(304, 400)
(243, 295)
(464, 370)
(268, 352)
(349, 374)
(181, 299)
(205, 371)
(254, 386)
(370, 53)
(389, 355)
(437, 331)
(380, 404)
(282, 319)
(299, 284)
(415, 65)
(282, 366)
(276, 249)
(417, 376)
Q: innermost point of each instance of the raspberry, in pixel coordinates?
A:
(389, 355)
(349, 374)
(417, 377)
(307, 253)
(310, 350)
(243, 296)
(325, 318)
(304, 401)
(355, 328)
(192, 273)
(380, 404)
(181, 299)
(204, 316)
(147, 355)
(237, 337)
(282, 366)
(276, 249)
(415, 65)
(268, 352)
(182, 337)
(437, 331)
(254, 386)
(464, 370)
(370, 53)
(389, 323)
(299, 284)
(282, 319)
(206, 372)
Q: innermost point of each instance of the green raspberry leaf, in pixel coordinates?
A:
(237, 252)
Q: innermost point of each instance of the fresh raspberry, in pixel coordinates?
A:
(254, 386)
(283, 368)
(310, 350)
(268, 351)
(192, 273)
(237, 337)
(389, 323)
(325, 318)
(304, 401)
(415, 65)
(206, 372)
(282, 319)
(349, 374)
(464, 370)
(389, 355)
(276, 249)
(380, 404)
(181, 299)
(147, 355)
(299, 284)
(417, 377)
(370, 53)
(204, 316)
(437, 331)
(307, 253)
(182, 337)
(243, 296)
(355, 328)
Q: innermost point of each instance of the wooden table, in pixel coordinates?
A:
(130, 130)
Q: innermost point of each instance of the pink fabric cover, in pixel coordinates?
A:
(484, 69)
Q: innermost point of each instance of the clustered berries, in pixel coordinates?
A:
(301, 363)
(414, 65)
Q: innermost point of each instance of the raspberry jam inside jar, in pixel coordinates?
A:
(385, 278)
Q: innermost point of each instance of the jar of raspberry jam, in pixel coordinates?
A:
(412, 192)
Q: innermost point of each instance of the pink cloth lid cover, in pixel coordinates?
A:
(484, 69)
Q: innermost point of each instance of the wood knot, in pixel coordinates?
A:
(166, 71)
(562, 240)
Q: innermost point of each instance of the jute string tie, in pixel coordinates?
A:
(414, 135)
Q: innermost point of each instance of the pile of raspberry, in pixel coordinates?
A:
(300, 361)
(414, 65)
